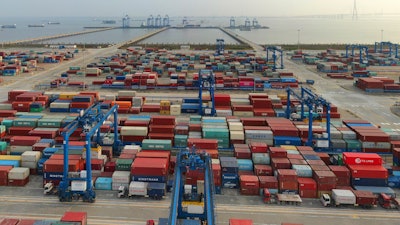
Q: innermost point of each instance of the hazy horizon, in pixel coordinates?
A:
(204, 8)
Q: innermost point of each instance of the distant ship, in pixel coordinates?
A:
(9, 26)
(109, 22)
(36, 25)
(53, 23)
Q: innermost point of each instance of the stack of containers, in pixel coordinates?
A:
(162, 127)
(223, 104)
(120, 178)
(249, 185)
(29, 159)
(181, 134)
(262, 105)
(216, 128)
(373, 139)
(261, 159)
(366, 169)
(81, 102)
(21, 144)
(216, 168)
(60, 106)
(3, 148)
(285, 132)
(150, 169)
(165, 107)
(53, 167)
(4, 170)
(287, 179)
(18, 176)
(135, 129)
(230, 169)
(343, 175)
(241, 151)
(256, 130)
(326, 181)
(236, 132)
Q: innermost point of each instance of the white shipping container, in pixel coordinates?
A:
(78, 185)
(269, 142)
(224, 112)
(195, 209)
(109, 97)
(59, 105)
(188, 188)
(134, 131)
(133, 147)
(18, 173)
(175, 110)
(30, 165)
(138, 188)
(200, 186)
(93, 154)
(236, 135)
(126, 93)
(115, 186)
(343, 197)
(31, 156)
(243, 113)
(6, 106)
(235, 126)
(121, 177)
(20, 149)
(215, 161)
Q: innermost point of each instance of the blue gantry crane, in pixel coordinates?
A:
(90, 121)
(189, 159)
(276, 52)
(392, 47)
(313, 102)
(207, 82)
(363, 52)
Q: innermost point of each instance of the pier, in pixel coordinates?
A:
(143, 37)
(39, 39)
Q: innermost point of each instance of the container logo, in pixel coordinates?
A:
(357, 160)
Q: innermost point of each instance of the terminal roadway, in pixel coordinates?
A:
(109, 210)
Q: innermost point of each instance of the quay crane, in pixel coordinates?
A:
(90, 121)
(207, 81)
(202, 198)
(220, 47)
(312, 101)
(388, 44)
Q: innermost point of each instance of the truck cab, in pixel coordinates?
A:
(326, 200)
(122, 192)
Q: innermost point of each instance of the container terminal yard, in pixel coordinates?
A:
(259, 136)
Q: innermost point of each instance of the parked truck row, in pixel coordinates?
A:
(144, 189)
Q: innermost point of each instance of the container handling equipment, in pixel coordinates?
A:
(180, 212)
(207, 81)
(274, 50)
(90, 121)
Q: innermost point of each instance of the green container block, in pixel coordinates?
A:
(353, 144)
(180, 140)
(8, 123)
(124, 164)
(50, 122)
(215, 133)
(25, 122)
(195, 118)
(36, 110)
(155, 144)
(3, 145)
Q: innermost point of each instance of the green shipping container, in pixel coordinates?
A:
(3, 145)
(36, 109)
(353, 144)
(180, 141)
(195, 118)
(7, 123)
(124, 164)
(25, 122)
(155, 144)
(215, 133)
(50, 122)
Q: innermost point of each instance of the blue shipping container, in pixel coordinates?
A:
(284, 140)
(103, 183)
(160, 179)
(245, 164)
(230, 180)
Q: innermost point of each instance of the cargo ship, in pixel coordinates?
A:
(9, 26)
(53, 23)
(109, 22)
(36, 25)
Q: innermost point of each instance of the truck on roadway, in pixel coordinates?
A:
(340, 197)
(289, 199)
(145, 189)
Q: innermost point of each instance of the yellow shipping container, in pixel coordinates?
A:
(67, 95)
(10, 157)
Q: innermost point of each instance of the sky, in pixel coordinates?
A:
(178, 8)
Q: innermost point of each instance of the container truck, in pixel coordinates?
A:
(292, 199)
(364, 199)
(145, 189)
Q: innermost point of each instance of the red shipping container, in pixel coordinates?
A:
(249, 191)
(324, 177)
(19, 183)
(324, 157)
(304, 148)
(80, 217)
(263, 170)
(340, 171)
(163, 120)
(150, 166)
(320, 167)
(270, 182)
(97, 164)
(169, 129)
(9, 221)
(277, 152)
(253, 121)
(365, 198)
(195, 127)
(8, 113)
(4, 171)
(249, 181)
(203, 143)
(153, 154)
(211, 152)
(19, 131)
(308, 193)
(298, 162)
(133, 138)
(284, 130)
(26, 222)
(57, 165)
(242, 153)
(280, 163)
(326, 186)
(306, 183)
(343, 181)
(363, 171)
(136, 123)
(40, 146)
(258, 147)
(110, 166)
(294, 156)
(4, 181)
(354, 158)
(316, 162)
(288, 185)
(286, 174)
(24, 140)
(240, 222)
